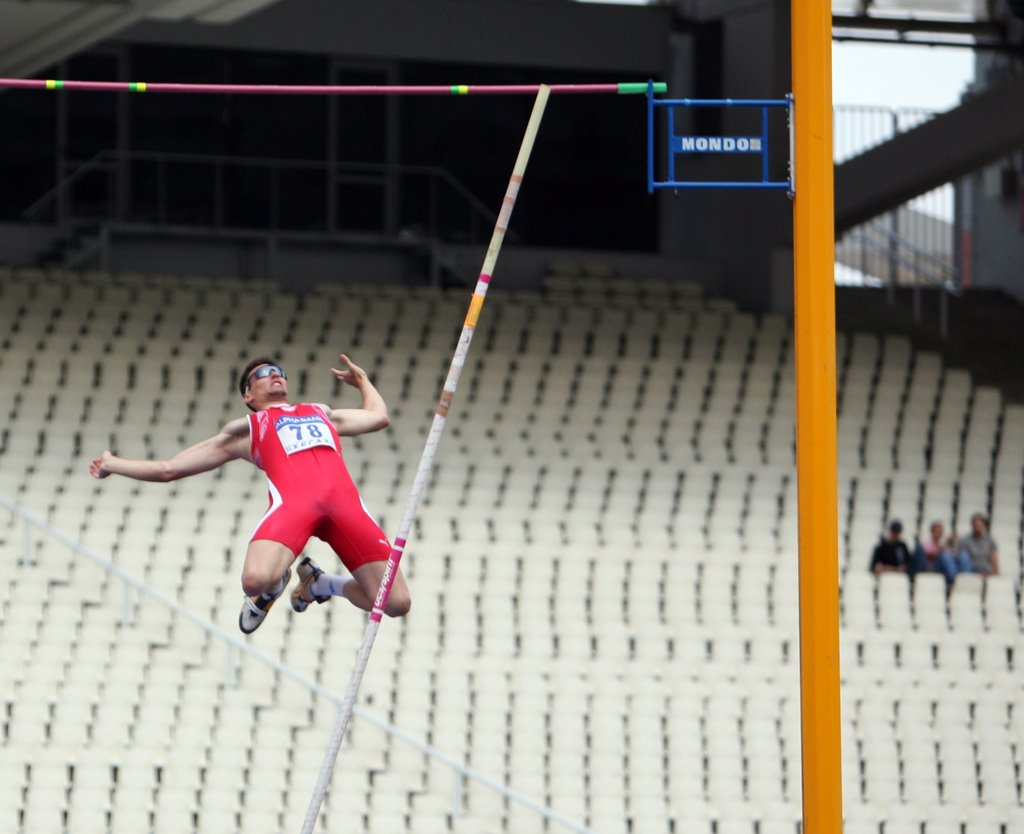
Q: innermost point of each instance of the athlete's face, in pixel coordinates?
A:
(268, 384)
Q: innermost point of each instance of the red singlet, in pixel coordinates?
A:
(311, 491)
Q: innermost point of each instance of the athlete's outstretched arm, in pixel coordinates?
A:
(373, 416)
(230, 443)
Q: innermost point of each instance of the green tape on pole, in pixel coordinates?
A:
(634, 88)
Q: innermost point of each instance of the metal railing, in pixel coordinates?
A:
(915, 244)
(234, 645)
(858, 128)
(876, 250)
(221, 192)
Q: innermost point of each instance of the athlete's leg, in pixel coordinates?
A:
(363, 548)
(360, 589)
(265, 564)
(265, 575)
(363, 591)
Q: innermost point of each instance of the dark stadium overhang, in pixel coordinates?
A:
(972, 34)
(37, 34)
(40, 33)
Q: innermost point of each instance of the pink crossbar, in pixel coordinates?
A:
(307, 89)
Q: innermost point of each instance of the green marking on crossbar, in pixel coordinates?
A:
(633, 87)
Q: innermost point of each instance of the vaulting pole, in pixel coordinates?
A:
(815, 332)
(426, 461)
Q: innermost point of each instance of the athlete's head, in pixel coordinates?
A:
(263, 382)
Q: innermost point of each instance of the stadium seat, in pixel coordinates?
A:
(894, 613)
(1000, 604)
(635, 551)
(965, 604)
(929, 602)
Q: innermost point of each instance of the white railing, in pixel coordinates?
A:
(927, 225)
(233, 645)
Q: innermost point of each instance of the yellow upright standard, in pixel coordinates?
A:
(814, 312)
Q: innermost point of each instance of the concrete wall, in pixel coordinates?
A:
(993, 210)
(996, 219)
(20, 243)
(297, 263)
(520, 34)
(743, 229)
(525, 267)
(745, 234)
(301, 262)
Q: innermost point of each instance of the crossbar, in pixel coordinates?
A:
(619, 88)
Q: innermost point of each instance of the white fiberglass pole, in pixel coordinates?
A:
(426, 460)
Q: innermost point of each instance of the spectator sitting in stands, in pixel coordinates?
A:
(891, 554)
(936, 555)
(978, 553)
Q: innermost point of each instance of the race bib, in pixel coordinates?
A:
(300, 433)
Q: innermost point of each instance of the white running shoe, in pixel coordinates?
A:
(254, 609)
(303, 594)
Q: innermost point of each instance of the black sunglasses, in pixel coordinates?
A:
(265, 371)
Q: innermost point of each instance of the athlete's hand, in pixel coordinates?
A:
(352, 374)
(98, 467)
(373, 413)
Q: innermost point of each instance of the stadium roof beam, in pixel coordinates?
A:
(973, 34)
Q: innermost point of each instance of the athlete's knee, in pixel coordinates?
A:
(258, 578)
(399, 604)
(266, 563)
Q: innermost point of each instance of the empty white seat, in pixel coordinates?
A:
(965, 604)
(858, 603)
(929, 595)
(894, 602)
(1001, 613)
